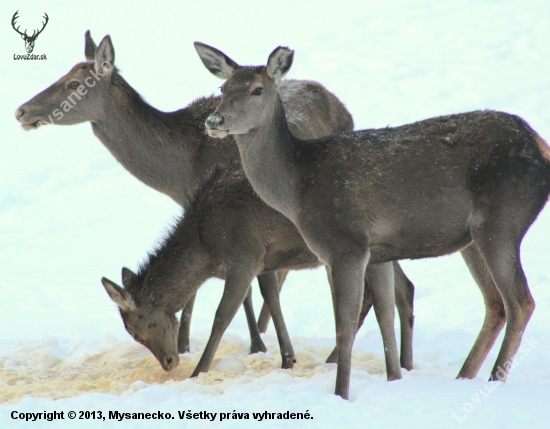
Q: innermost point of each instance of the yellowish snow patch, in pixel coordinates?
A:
(126, 368)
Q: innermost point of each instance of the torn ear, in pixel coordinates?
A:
(119, 296)
(219, 64)
(279, 63)
(89, 47)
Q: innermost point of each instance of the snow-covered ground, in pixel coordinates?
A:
(69, 214)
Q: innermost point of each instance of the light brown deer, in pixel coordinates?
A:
(471, 182)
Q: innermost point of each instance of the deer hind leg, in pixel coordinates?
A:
(495, 315)
(404, 300)
(269, 286)
(185, 325)
(265, 316)
(498, 244)
(256, 343)
(236, 287)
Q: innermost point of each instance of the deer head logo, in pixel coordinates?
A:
(29, 40)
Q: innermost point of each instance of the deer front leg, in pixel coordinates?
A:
(256, 343)
(404, 301)
(404, 296)
(347, 274)
(269, 286)
(265, 316)
(380, 279)
(185, 325)
(237, 284)
(365, 308)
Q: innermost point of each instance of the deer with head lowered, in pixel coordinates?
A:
(171, 151)
(471, 182)
(228, 232)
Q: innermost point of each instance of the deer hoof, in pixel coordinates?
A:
(288, 363)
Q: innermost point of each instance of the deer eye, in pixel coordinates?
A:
(151, 325)
(257, 91)
(74, 85)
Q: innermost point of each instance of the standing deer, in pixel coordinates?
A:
(29, 40)
(227, 232)
(170, 151)
(472, 182)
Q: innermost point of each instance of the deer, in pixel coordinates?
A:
(227, 232)
(170, 151)
(29, 40)
(472, 182)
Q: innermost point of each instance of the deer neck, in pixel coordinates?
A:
(269, 155)
(156, 147)
(175, 272)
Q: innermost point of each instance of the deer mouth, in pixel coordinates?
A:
(22, 116)
(31, 125)
(219, 134)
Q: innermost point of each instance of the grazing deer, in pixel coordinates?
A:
(171, 151)
(227, 232)
(471, 182)
(29, 40)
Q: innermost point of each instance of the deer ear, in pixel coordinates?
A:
(89, 47)
(219, 64)
(105, 56)
(128, 277)
(119, 296)
(279, 63)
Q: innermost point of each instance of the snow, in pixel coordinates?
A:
(69, 214)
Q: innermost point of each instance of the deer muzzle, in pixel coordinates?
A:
(169, 362)
(213, 123)
(27, 122)
(214, 120)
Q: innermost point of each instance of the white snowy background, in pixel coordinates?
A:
(69, 214)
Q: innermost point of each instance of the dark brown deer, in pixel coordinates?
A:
(29, 40)
(170, 151)
(471, 182)
(227, 232)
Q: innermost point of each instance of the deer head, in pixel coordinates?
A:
(77, 97)
(149, 325)
(29, 40)
(247, 92)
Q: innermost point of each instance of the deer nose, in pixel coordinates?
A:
(18, 113)
(214, 120)
(170, 362)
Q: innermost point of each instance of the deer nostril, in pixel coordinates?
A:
(215, 119)
(19, 113)
(169, 362)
